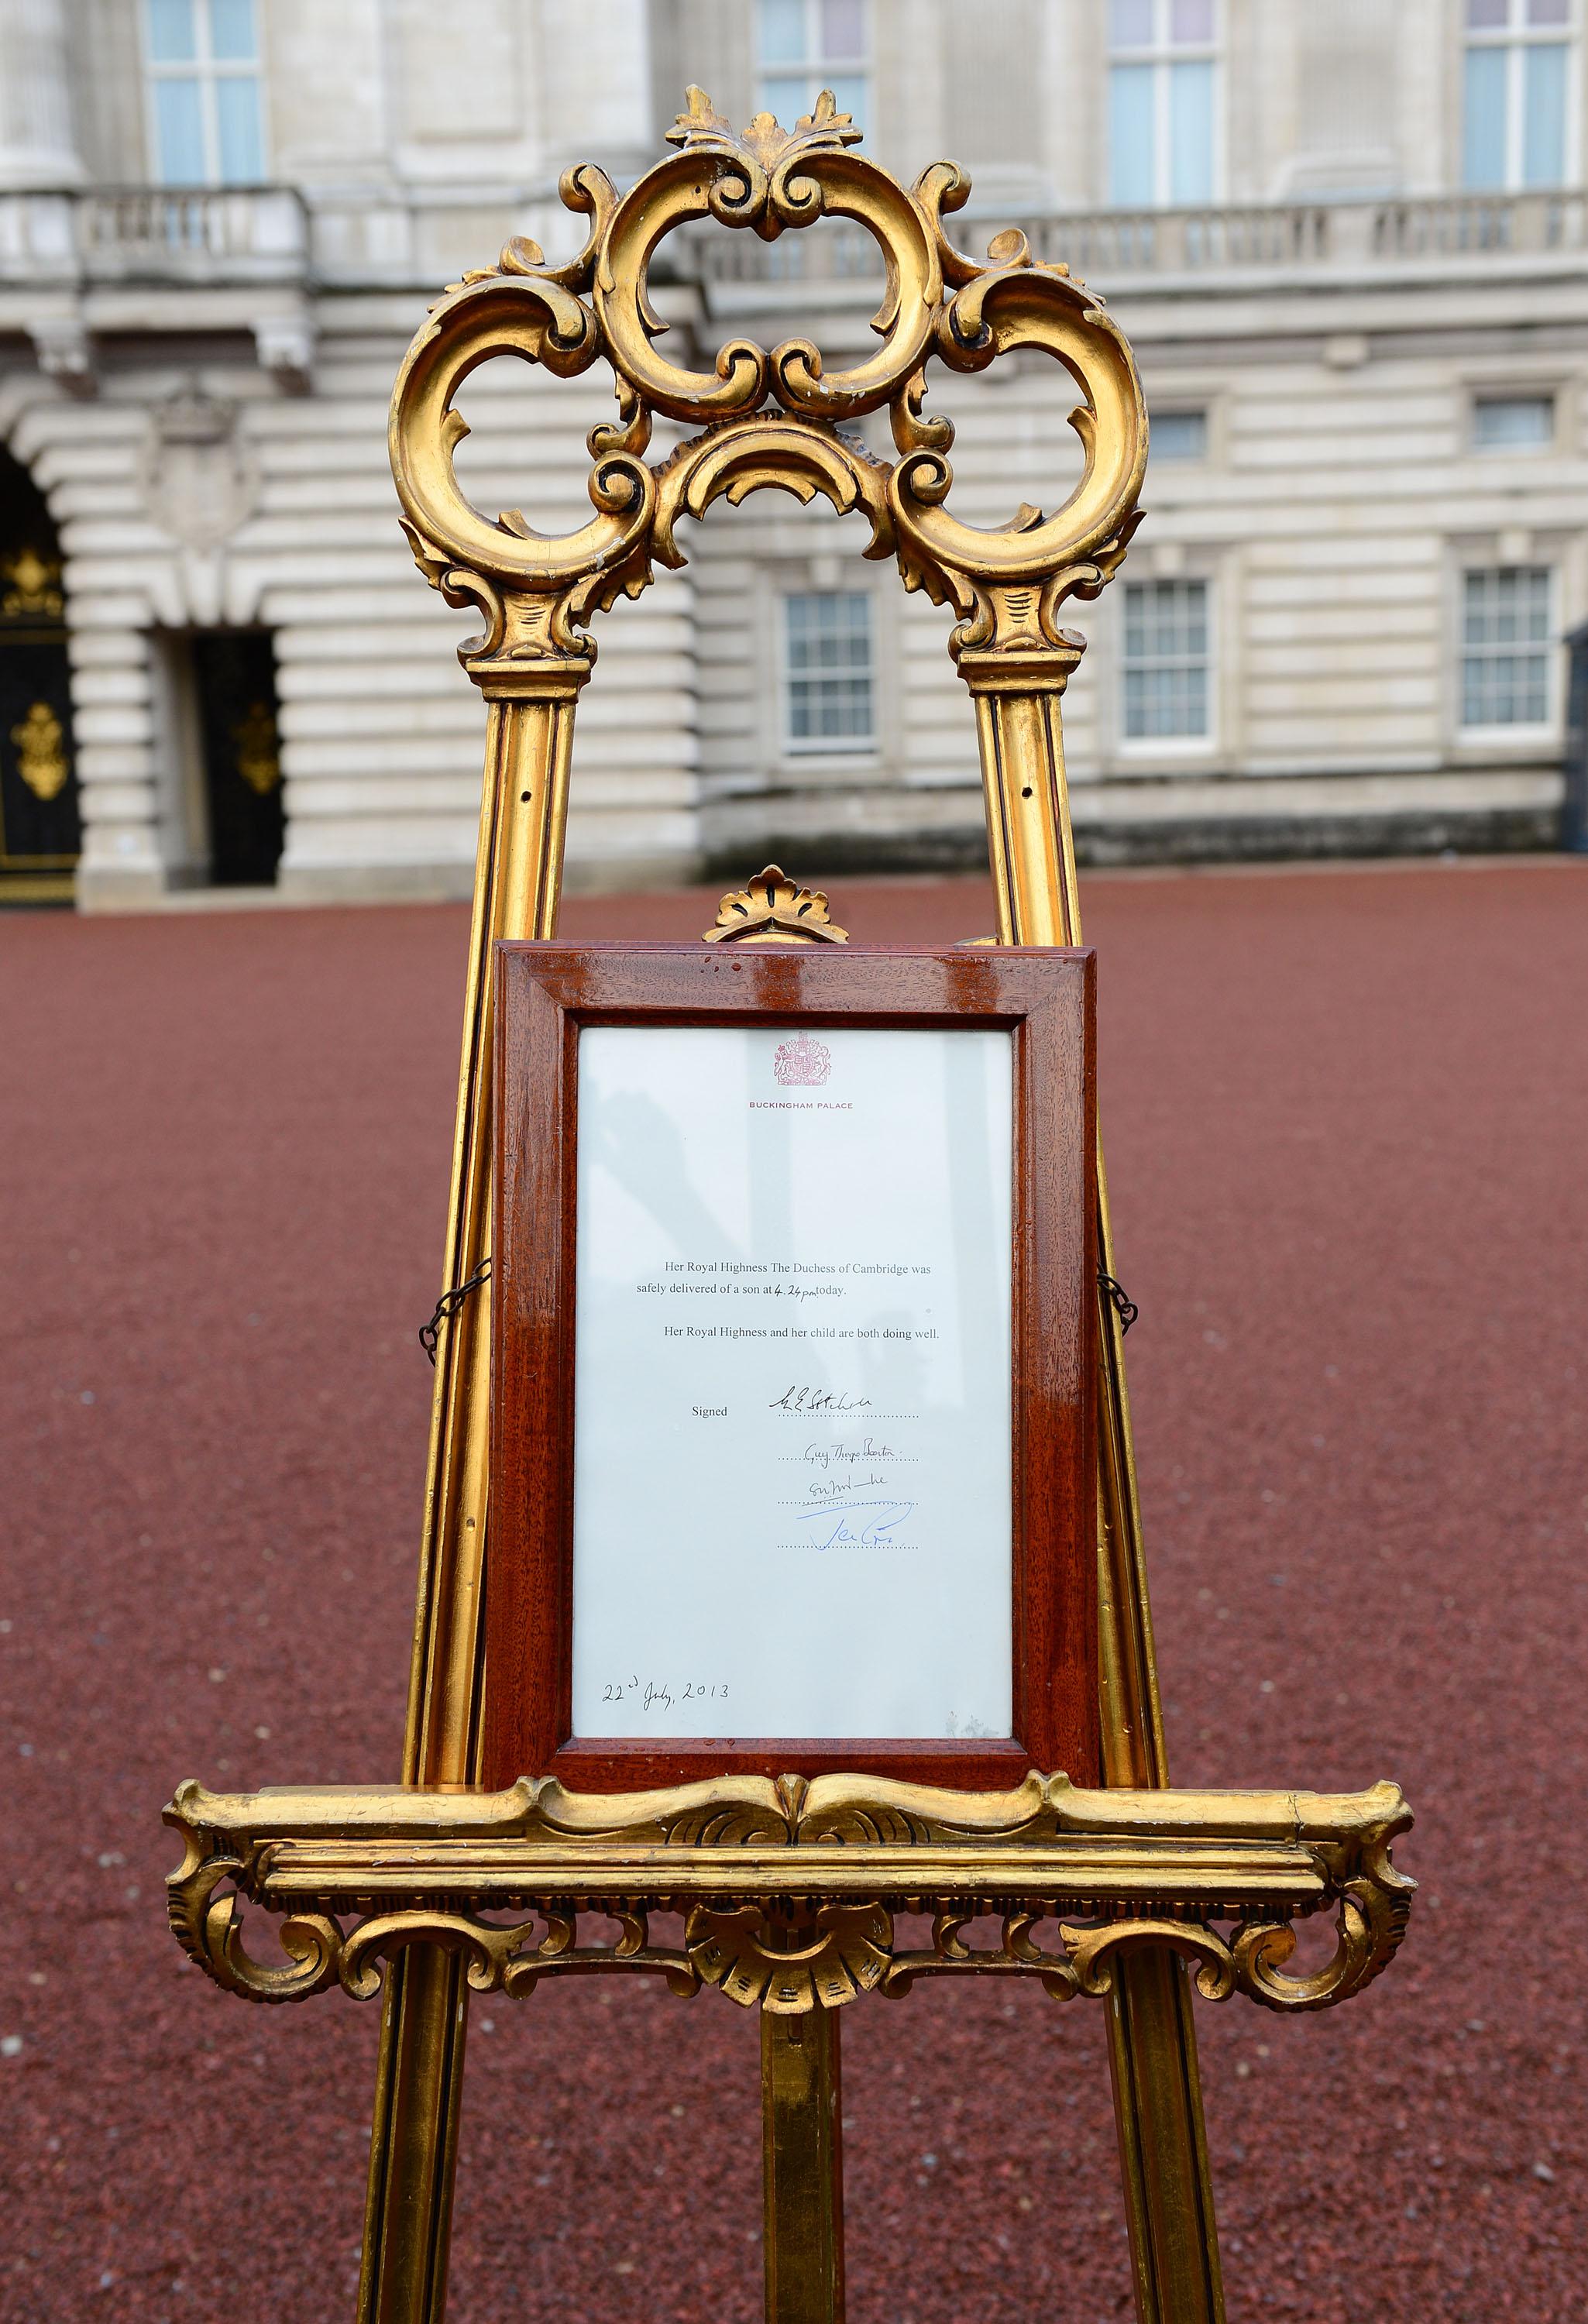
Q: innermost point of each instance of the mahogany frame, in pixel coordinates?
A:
(545, 994)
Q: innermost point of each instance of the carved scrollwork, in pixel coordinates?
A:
(939, 305)
(791, 1888)
(209, 1928)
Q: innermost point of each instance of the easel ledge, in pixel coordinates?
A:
(758, 1865)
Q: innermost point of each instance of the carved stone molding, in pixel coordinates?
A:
(790, 1889)
(771, 417)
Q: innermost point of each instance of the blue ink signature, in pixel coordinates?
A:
(875, 1533)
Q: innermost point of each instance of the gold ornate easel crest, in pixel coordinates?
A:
(788, 1889)
(772, 909)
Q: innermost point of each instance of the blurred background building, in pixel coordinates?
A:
(1347, 243)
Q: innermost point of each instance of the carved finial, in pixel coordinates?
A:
(773, 910)
(700, 122)
(701, 127)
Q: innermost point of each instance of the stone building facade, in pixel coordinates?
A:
(1347, 244)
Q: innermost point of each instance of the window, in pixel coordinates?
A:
(828, 638)
(1505, 646)
(804, 46)
(1179, 436)
(1517, 76)
(1166, 660)
(1161, 97)
(1513, 423)
(203, 70)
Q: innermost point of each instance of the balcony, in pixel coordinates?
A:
(1421, 237)
(161, 235)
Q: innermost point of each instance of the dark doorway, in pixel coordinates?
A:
(235, 680)
(40, 833)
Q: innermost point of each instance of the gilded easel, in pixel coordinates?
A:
(790, 1890)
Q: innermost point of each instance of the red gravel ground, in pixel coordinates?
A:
(1347, 1120)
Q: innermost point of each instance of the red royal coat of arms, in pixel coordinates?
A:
(803, 1062)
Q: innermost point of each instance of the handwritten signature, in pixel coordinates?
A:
(876, 1521)
(827, 1456)
(817, 1399)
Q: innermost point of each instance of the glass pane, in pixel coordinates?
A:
(1483, 119)
(784, 97)
(1538, 610)
(172, 35)
(236, 114)
(1179, 435)
(1550, 12)
(780, 27)
(1130, 24)
(179, 131)
(843, 30)
(1512, 420)
(1486, 15)
(1191, 132)
(231, 31)
(1191, 24)
(1544, 114)
(1130, 136)
(849, 94)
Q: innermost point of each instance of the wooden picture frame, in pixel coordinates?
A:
(548, 997)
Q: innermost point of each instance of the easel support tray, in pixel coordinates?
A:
(789, 1890)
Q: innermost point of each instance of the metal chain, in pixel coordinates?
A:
(447, 1305)
(1115, 1291)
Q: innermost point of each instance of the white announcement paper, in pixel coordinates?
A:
(791, 1469)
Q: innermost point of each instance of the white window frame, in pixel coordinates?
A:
(1530, 733)
(1182, 407)
(818, 70)
(1515, 36)
(205, 70)
(1507, 393)
(1171, 746)
(1160, 53)
(806, 747)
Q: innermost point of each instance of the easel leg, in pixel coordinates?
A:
(1163, 2149)
(1152, 2043)
(803, 2168)
(408, 2211)
(418, 2091)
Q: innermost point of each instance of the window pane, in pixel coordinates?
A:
(781, 28)
(1179, 436)
(1130, 24)
(1508, 421)
(1544, 114)
(1506, 634)
(1191, 24)
(172, 37)
(1486, 15)
(1550, 12)
(1130, 135)
(784, 97)
(849, 94)
(236, 114)
(1166, 663)
(178, 129)
(1191, 132)
(828, 647)
(1483, 122)
(843, 30)
(231, 31)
